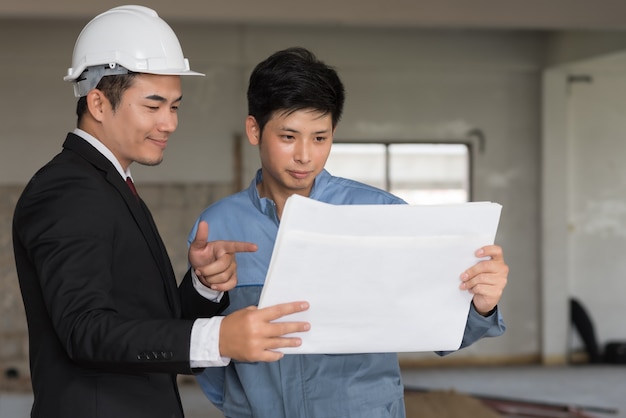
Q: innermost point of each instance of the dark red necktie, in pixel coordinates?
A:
(130, 183)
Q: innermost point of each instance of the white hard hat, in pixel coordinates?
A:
(133, 37)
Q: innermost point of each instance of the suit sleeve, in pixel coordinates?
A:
(195, 305)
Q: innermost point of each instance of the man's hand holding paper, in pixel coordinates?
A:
(486, 279)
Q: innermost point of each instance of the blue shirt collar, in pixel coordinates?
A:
(267, 206)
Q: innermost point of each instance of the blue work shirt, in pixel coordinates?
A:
(309, 385)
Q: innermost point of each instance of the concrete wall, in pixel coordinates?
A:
(583, 193)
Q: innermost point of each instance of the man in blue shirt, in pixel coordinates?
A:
(295, 102)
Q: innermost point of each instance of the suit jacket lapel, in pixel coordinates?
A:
(160, 252)
(138, 209)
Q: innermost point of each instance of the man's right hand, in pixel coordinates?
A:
(250, 335)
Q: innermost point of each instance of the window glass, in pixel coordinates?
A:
(419, 173)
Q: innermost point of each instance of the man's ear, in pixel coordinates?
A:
(253, 130)
(95, 104)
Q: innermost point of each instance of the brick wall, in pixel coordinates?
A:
(174, 207)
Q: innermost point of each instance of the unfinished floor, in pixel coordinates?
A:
(594, 390)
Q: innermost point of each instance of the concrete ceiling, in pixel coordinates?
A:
(485, 14)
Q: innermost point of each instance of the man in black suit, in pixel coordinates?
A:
(109, 329)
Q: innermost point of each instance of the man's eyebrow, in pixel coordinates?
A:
(159, 98)
(288, 129)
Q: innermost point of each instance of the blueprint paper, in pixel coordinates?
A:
(379, 278)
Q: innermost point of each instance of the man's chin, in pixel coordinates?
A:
(150, 162)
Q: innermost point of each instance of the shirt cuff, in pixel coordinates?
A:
(210, 294)
(204, 348)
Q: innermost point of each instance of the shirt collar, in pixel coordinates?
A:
(264, 205)
(102, 149)
(268, 206)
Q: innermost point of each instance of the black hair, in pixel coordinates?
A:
(112, 86)
(294, 79)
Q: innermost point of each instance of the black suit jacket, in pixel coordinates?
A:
(104, 312)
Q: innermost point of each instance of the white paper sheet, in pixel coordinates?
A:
(379, 278)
